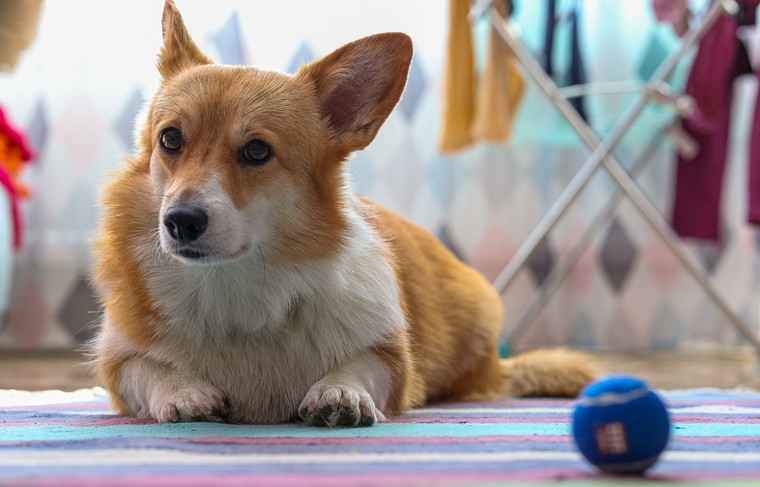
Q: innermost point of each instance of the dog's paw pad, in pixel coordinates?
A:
(192, 404)
(337, 406)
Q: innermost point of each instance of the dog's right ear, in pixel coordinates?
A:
(179, 51)
(359, 84)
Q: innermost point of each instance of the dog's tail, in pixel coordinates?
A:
(554, 372)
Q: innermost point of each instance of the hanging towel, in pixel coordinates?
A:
(721, 58)
(500, 90)
(459, 80)
(489, 113)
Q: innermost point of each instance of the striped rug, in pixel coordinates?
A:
(65, 439)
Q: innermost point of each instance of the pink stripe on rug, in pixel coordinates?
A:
(330, 480)
(386, 440)
(474, 419)
(710, 419)
(91, 405)
(111, 421)
(559, 419)
(307, 480)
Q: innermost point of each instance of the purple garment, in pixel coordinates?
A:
(753, 189)
(721, 57)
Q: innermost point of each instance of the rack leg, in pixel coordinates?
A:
(658, 223)
(558, 274)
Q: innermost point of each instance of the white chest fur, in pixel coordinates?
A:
(264, 333)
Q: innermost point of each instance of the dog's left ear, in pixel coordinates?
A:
(179, 51)
(359, 84)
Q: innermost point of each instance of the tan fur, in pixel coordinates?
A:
(457, 320)
(304, 292)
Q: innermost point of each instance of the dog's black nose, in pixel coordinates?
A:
(185, 224)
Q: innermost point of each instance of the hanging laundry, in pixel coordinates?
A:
(720, 59)
(459, 80)
(550, 24)
(747, 16)
(576, 73)
(501, 88)
(577, 69)
(486, 114)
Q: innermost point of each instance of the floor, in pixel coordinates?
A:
(663, 370)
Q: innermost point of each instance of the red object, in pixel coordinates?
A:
(17, 138)
(15, 150)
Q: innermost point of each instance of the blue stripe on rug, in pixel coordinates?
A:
(225, 446)
(56, 432)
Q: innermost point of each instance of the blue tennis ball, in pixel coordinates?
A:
(620, 425)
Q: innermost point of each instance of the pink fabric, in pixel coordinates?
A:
(675, 12)
(668, 10)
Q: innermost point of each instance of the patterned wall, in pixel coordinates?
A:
(78, 90)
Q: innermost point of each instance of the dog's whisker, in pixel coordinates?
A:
(155, 247)
(204, 279)
(263, 266)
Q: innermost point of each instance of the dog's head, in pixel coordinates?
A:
(246, 160)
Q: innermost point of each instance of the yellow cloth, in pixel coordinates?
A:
(458, 101)
(488, 114)
(18, 27)
(499, 92)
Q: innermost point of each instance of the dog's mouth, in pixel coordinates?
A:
(191, 254)
(198, 256)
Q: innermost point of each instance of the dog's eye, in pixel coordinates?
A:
(171, 140)
(256, 152)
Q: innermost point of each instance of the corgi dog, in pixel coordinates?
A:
(242, 281)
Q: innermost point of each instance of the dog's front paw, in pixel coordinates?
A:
(338, 406)
(193, 403)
